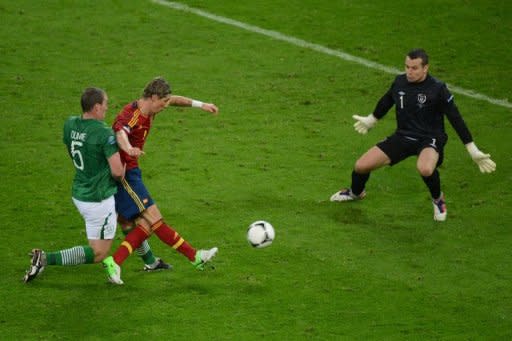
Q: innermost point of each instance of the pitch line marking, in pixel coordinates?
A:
(322, 49)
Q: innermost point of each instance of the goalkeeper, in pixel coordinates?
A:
(421, 102)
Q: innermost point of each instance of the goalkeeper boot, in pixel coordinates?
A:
(37, 265)
(159, 264)
(203, 257)
(346, 195)
(113, 270)
(439, 208)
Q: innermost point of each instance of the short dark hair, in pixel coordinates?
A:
(419, 53)
(158, 86)
(91, 97)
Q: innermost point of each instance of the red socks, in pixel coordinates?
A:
(163, 231)
(173, 239)
(132, 241)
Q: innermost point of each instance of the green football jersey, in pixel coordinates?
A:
(90, 144)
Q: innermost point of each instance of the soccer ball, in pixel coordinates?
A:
(260, 234)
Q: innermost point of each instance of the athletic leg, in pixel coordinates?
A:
(167, 234)
(427, 167)
(132, 199)
(172, 238)
(132, 241)
(151, 263)
(100, 226)
(373, 159)
(84, 254)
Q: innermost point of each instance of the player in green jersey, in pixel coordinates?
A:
(92, 146)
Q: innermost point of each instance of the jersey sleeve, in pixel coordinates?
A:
(454, 117)
(124, 121)
(109, 143)
(385, 103)
(66, 134)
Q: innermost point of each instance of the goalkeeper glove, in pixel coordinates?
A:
(364, 123)
(483, 161)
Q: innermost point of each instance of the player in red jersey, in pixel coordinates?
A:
(137, 210)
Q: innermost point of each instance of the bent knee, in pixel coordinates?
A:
(362, 167)
(426, 171)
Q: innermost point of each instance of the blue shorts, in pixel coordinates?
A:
(132, 197)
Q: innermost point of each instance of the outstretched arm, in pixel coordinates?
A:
(365, 123)
(484, 162)
(181, 101)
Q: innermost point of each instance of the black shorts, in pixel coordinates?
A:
(399, 147)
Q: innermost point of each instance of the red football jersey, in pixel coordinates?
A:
(136, 125)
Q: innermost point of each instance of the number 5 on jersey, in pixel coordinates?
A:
(78, 160)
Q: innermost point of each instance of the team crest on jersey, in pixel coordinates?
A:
(422, 98)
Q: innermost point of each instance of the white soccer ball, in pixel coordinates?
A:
(260, 234)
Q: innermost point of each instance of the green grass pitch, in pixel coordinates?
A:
(380, 269)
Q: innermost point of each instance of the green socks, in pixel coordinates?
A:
(73, 256)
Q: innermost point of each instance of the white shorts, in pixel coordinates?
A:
(100, 218)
